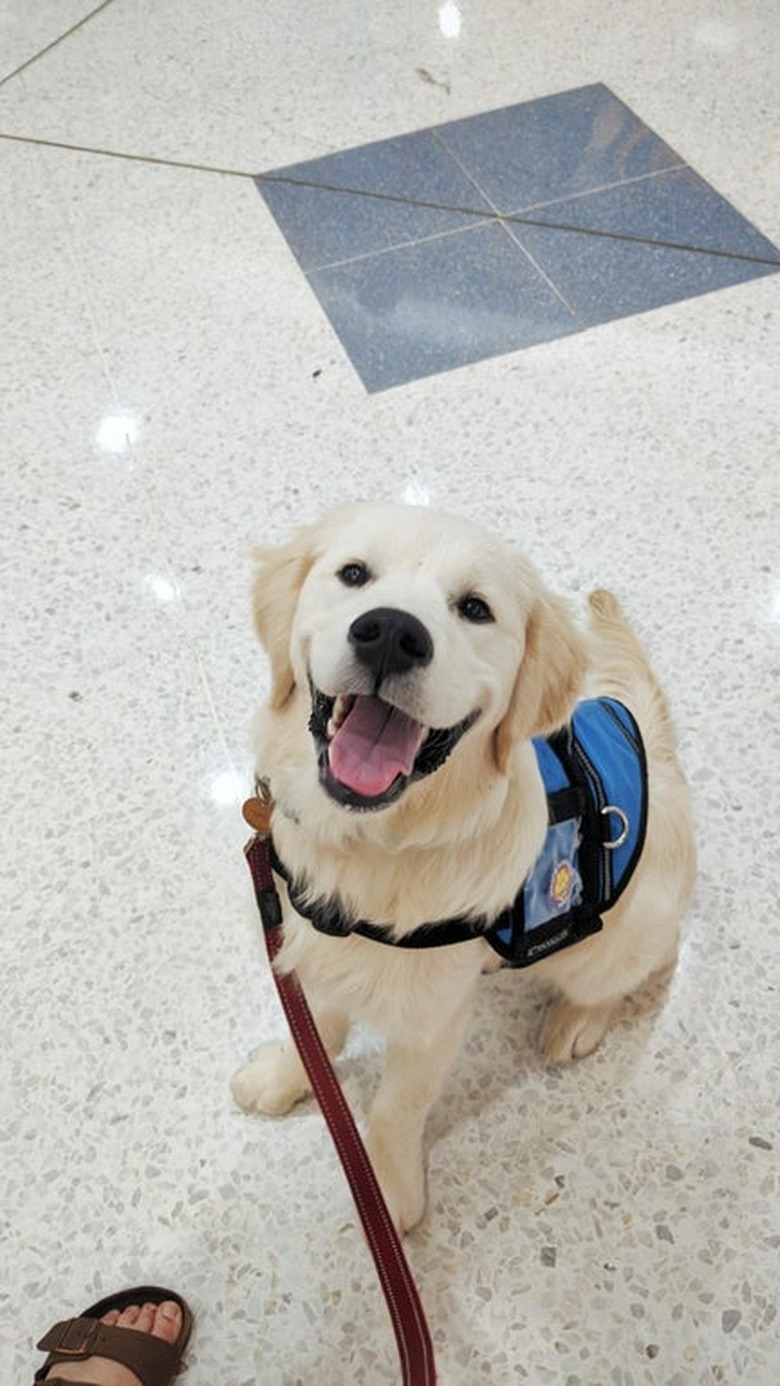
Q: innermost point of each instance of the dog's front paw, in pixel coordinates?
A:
(271, 1082)
(401, 1178)
(570, 1032)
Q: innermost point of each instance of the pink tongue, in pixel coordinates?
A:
(373, 746)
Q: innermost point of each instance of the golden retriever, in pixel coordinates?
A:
(414, 656)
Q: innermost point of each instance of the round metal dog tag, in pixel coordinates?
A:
(258, 814)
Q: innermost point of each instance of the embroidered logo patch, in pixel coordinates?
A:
(561, 884)
(554, 886)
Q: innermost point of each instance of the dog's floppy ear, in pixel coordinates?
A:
(549, 678)
(280, 573)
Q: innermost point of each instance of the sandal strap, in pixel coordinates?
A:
(153, 1361)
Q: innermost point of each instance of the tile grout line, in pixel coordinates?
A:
(481, 216)
(627, 237)
(439, 236)
(130, 158)
(403, 245)
(514, 239)
(55, 42)
(562, 299)
(467, 172)
(507, 222)
(536, 207)
(604, 187)
(521, 219)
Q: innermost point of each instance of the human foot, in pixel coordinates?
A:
(127, 1340)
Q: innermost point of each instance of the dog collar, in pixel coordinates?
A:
(595, 778)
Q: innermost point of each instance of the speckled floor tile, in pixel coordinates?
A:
(370, 199)
(173, 392)
(26, 30)
(555, 147)
(491, 234)
(440, 303)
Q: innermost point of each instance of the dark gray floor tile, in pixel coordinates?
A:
(428, 307)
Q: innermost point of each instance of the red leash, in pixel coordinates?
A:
(406, 1312)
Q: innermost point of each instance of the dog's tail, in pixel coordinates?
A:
(621, 670)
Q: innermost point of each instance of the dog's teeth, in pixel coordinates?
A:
(340, 709)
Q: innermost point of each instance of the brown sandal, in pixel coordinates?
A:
(152, 1360)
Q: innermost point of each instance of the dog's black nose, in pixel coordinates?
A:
(390, 642)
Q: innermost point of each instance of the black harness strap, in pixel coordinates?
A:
(328, 917)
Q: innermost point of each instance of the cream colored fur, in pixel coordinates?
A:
(462, 839)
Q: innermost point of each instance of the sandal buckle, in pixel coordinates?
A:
(75, 1338)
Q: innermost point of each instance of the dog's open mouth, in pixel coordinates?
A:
(368, 751)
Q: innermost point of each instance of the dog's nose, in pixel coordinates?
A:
(388, 642)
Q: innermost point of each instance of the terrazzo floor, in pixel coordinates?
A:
(172, 391)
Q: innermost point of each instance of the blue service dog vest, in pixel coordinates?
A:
(595, 779)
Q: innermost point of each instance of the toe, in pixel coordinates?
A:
(161, 1320)
(167, 1321)
(128, 1318)
(145, 1319)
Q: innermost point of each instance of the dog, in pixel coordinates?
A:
(420, 672)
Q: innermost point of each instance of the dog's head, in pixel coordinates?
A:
(411, 632)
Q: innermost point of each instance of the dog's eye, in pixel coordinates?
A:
(474, 609)
(354, 574)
